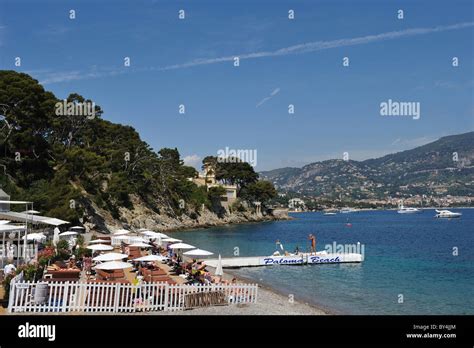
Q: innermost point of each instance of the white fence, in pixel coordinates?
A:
(117, 297)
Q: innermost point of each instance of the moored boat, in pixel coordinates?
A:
(446, 214)
(407, 210)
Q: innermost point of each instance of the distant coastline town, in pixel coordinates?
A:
(308, 204)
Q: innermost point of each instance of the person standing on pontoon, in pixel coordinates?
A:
(312, 238)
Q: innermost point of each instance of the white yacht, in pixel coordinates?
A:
(407, 210)
(347, 210)
(329, 212)
(446, 214)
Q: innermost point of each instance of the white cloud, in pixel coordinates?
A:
(193, 161)
(264, 100)
(295, 49)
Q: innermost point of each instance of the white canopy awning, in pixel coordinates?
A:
(34, 219)
(15, 202)
(8, 228)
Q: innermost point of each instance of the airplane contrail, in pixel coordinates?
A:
(324, 45)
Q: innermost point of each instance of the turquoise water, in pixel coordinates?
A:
(409, 255)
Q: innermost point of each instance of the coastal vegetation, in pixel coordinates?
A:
(73, 165)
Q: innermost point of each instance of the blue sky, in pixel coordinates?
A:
(337, 109)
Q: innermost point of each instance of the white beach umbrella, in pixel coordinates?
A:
(154, 234)
(110, 257)
(140, 245)
(182, 246)
(171, 240)
(77, 228)
(121, 232)
(113, 265)
(149, 258)
(54, 222)
(198, 252)
(94, 241)
(100, 247)
(219, 271)
(31, 212)
(68, 233)
(35, 236)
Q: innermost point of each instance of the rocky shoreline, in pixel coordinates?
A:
(101, 221)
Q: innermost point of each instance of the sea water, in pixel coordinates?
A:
(414, 263)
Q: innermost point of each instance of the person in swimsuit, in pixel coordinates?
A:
(312, 238)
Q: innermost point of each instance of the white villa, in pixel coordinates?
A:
(296, 204)
(208, 178)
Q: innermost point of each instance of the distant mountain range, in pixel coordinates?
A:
(443, 167)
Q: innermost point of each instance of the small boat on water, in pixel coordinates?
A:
(329, 212)
(446, 214)
(407, 210)
(347, 210)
